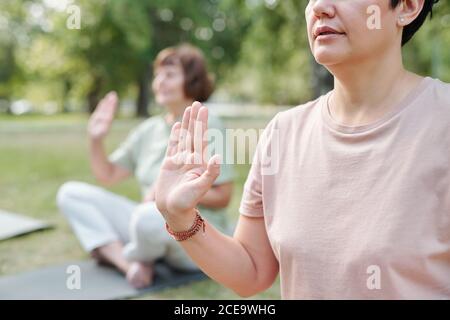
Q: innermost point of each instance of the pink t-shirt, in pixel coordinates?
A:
(358, 212)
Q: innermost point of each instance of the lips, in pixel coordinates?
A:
(326, 31)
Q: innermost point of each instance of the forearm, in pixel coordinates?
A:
(100, 165)
(222, 258)
(245, 262)
(213, 199)
(217, 197)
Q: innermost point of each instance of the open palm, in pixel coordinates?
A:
(186, 175)
(103, 116)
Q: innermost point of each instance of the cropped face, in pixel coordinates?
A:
(347, 31)
(168, 85)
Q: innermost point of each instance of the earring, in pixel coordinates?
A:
(402, 19)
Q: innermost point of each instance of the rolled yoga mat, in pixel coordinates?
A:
(13, 225)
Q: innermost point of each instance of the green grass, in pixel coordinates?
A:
(37, 155)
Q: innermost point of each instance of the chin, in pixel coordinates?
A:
(162, 101)
(327, 57)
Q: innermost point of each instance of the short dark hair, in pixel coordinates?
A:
(198, 84)
(414, 26)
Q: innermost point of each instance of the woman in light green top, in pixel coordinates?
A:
(116, 230)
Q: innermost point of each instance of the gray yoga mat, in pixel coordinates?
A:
(95, 282)
(12, 225)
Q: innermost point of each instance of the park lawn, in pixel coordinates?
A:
(39, 154)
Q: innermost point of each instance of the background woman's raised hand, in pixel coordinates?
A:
(103, 116)
(186, 174)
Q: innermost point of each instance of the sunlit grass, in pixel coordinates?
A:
(37, 155)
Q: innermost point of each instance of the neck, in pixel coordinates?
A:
(175, 111)
(365, 89)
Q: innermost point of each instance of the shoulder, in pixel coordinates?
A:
(298, 116)
(149, 124)
(436, 99)
(440, 93)
(144, 129)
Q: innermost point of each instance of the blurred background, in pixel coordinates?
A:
(53, 72)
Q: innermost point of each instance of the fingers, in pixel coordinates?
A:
(99, 107)
(201, 126)
(173, 140)
(111, 100)
(106, 108)
(191, 128)
(206, 180)
(184, 130)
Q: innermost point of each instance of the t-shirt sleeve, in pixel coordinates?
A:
(217, 132)
(252, 198)
(125, 155)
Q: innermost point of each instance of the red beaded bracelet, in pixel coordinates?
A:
(184, 235)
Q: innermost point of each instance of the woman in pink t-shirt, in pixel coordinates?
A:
(348, 196)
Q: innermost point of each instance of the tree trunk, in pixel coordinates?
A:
(144, 93)
(322, 80)
(93, 96)
(65, 102)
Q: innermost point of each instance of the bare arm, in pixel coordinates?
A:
(245, 262)
(99, 125)
(104, 171)
(218, 196)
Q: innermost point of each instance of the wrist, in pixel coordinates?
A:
(179, 222)
(197, 225)
(96, 141)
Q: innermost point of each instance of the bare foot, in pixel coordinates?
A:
(97, 256)
(140, 275)
(111, 254)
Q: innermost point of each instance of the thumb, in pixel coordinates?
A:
(211, 173)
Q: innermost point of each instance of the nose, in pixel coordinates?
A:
(160, 80)
(159, 77)
(323, 9)
(157, 84)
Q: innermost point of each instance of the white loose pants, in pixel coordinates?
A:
(99, 217)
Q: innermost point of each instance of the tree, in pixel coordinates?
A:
(257, 48)
(275, 65)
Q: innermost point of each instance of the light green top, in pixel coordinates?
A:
(144, 149)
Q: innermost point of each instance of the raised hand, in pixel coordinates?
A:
(103, 116)
(186, 175)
